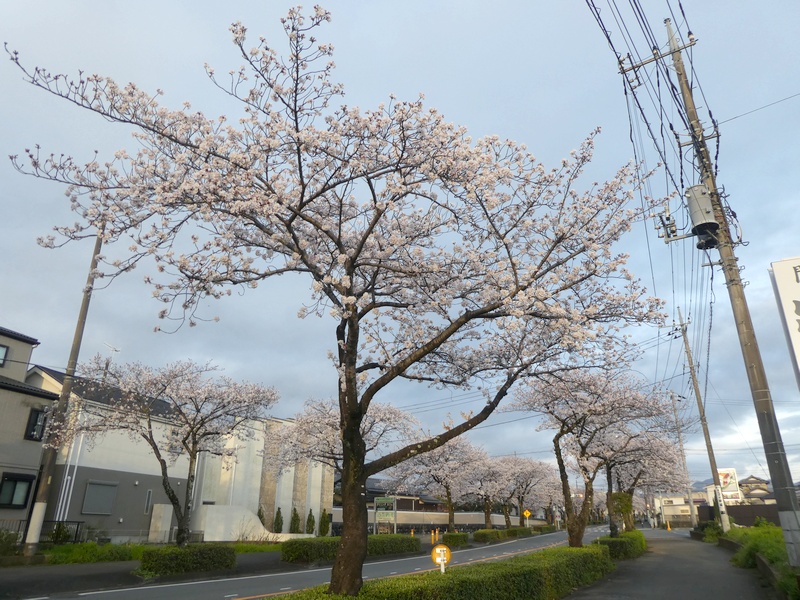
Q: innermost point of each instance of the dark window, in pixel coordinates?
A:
(15, 488)
(3, 355)
(148, 502)
(36, 422)
(99, 498)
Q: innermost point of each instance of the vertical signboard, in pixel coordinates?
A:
(786, 284)
(385, 515)
(729, 485)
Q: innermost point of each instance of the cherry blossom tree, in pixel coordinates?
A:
(438, 258)
(178, 410)
(442, 473)
(486, 482)
(597, 416)
(316, 435)
(522, 477)
(652, 459)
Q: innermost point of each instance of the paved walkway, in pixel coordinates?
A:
(674, 568)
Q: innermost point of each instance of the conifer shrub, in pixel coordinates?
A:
(310, 522)
(324, 524)
(277, 522)
(294, 522)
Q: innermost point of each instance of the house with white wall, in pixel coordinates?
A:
(113, 485)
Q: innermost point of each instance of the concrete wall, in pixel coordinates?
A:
(131, 513)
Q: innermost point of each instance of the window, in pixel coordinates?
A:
(36, 422)
(99, 498)
(15, 489)
(3, 355)
(148, 502)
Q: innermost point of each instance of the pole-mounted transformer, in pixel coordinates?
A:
(701, 212)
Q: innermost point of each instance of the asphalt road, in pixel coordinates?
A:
(675, 567)
(272, 583)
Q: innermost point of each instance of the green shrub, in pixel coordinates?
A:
(519, 532)
(324, 524)
(711, 531)
(538, 576)
(171, 560)
(312, 550)
(253, 547)
(380, 545)
(310, 522)
(8, 542)
(485, 536)
(544, 528)
(277, 522)
(767, 540)
(60, 534)
(91, 552)
(455, 540)
(629, 544)
(294, 522)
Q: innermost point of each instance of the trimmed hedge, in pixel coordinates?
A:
(311, 550)
(543, 575)
(172, 560)
(487, 536)
(519, 532)
(455, 540)
(545, 528)
(629, 544)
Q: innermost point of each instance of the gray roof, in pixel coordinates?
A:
(19, 336)
(7, 383)
(108, 395)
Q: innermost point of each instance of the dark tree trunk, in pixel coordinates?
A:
(612, 515)
(346, 575)
(487, 514)
(451, 510)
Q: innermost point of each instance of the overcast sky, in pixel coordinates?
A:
(534, 71)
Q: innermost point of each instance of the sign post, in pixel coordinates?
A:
(441, 555)
(526, 514)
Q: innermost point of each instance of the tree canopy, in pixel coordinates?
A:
(439, 258)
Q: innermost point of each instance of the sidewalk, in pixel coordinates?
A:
(677, 567)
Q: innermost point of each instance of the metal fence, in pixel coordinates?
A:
(54, 532)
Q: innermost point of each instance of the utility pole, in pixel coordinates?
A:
(723, 513)
(782, 483)
(59, 410)
(689, 492)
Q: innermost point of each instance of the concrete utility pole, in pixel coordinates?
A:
(723, 513)
(782, 483)
(689, 491)
(49, 455)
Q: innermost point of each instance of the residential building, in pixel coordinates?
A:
(24, 411)
(110, 486)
